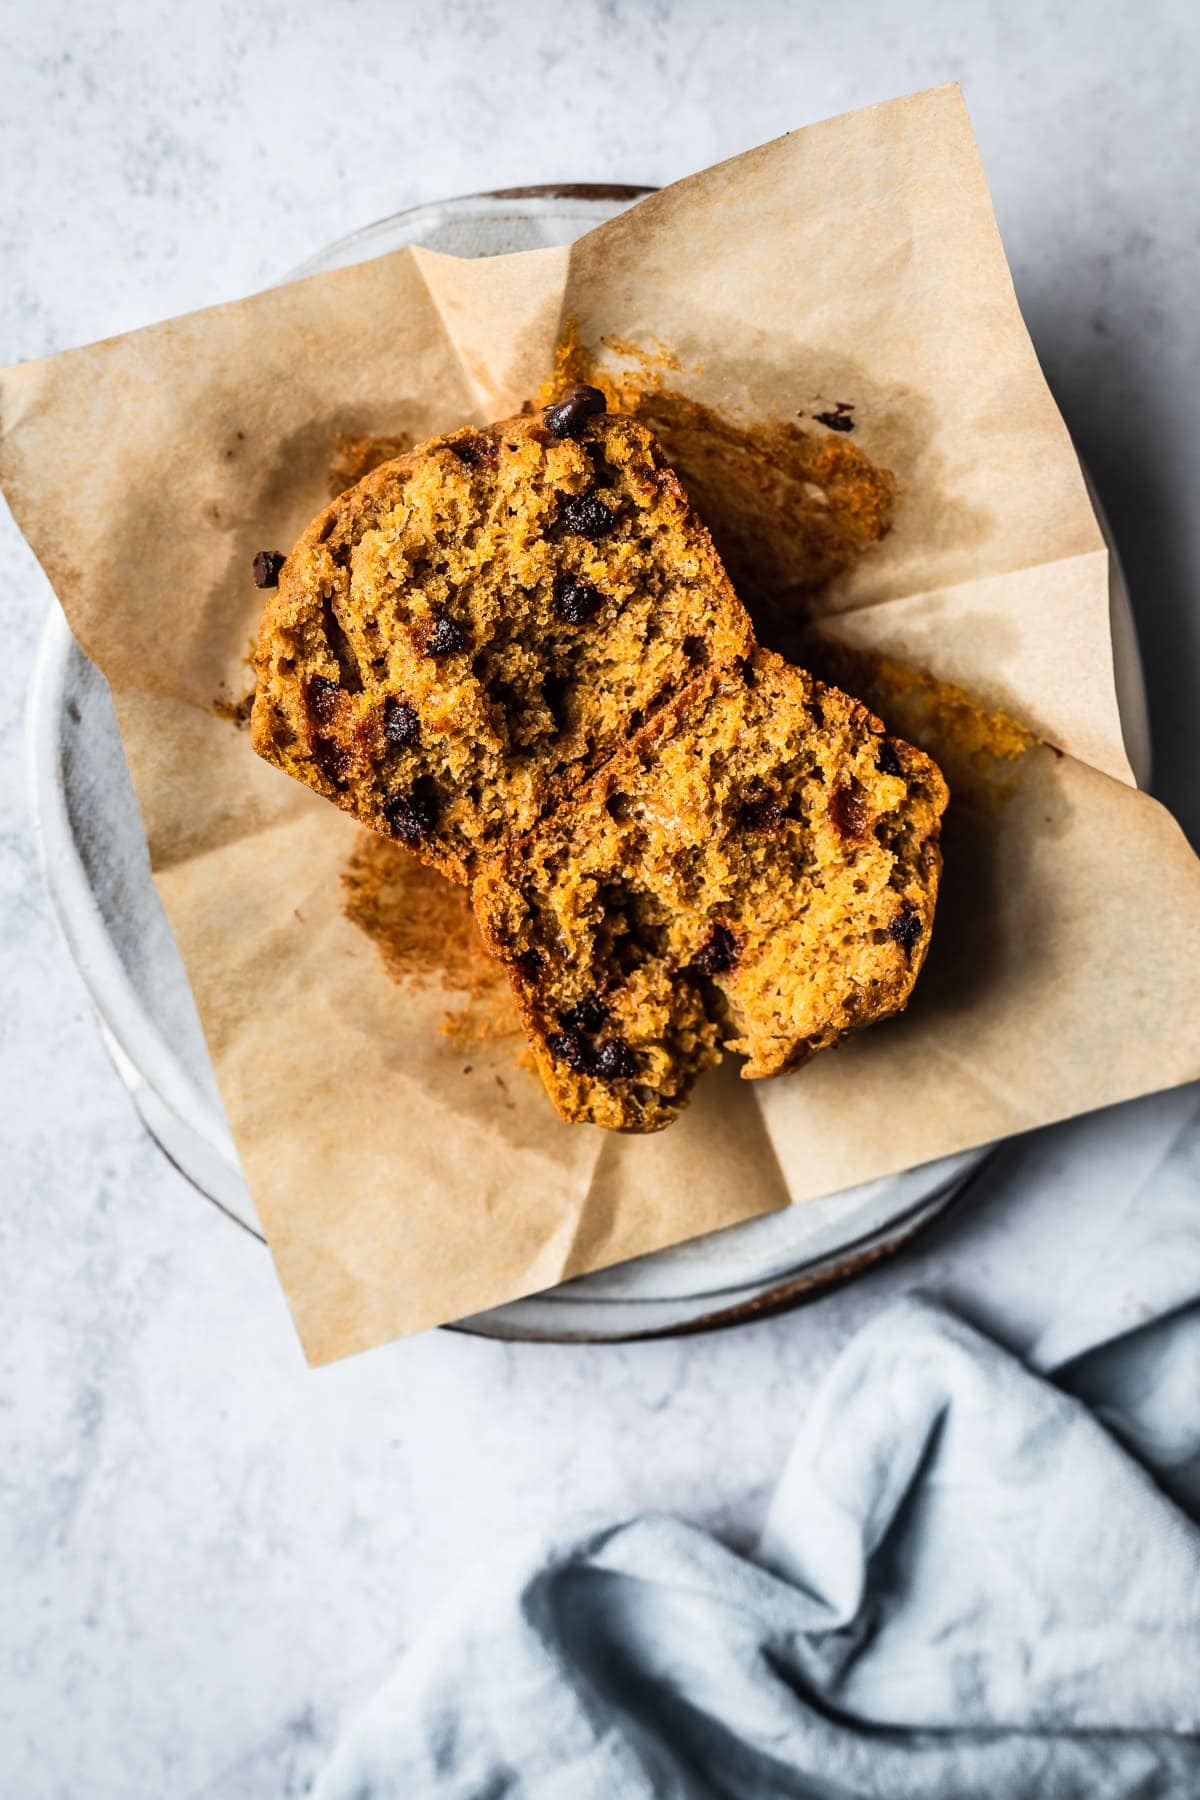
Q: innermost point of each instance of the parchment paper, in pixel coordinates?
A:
(402, 1181)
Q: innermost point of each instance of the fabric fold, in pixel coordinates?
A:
(969, 1585)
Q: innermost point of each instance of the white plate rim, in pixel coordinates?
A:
(135, 1040)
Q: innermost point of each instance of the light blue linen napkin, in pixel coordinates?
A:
(979, 1577)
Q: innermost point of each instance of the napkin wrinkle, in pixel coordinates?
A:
(1148, 1268)
(1141, 1389)
(978, 1579)
(1002, 1431)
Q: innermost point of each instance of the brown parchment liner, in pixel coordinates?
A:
(855, 260)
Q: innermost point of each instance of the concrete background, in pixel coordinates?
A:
(206, 1553)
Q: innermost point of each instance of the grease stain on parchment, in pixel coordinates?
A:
(355, 454)
(979, 748)
(425, 932)
(236, 712)
(791, 505)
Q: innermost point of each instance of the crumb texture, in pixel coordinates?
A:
(515, 652)
(756, 872)
(478, 624)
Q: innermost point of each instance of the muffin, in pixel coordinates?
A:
(755, 872)
(476, 626)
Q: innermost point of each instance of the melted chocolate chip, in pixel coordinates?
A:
(529, 962)
(571, 1048)
(322, 698)
(475, 451)
(718, 955)
(587, 516)
(588, 1016)
(761, 810)
(615, 1061)
(568, 416)
(401, 724)
(410, 817)
(575, 601)
(445, 637)
(850, 809)
(332, 760)
(839, 419)
(266, 566)
(905, 928)
(612, 1060)
(887, 762)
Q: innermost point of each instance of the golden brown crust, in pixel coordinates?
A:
(516, 652)
(757, 872)
(453, 643)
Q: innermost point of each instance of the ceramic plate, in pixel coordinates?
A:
(97, 872)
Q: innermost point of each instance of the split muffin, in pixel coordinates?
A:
(755, 873)
(479, 624)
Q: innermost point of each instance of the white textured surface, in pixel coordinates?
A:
(205, 1552)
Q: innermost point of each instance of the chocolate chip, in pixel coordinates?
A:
(571, 1048)
(475, 451)
(322, 698)
(718, 954)
(332, 759)
(615, 1061)
(887, 762)
(568, 416)
(587, 516)
(761, 810)
(401, 724)
(529, 962)
(410, 817)
(267, 565)
(839, 419)
(588, 1016)
(905, 928)
(575, 601)
(850, 809)
(445, 637)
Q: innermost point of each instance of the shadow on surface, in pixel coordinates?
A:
(1127, 427)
